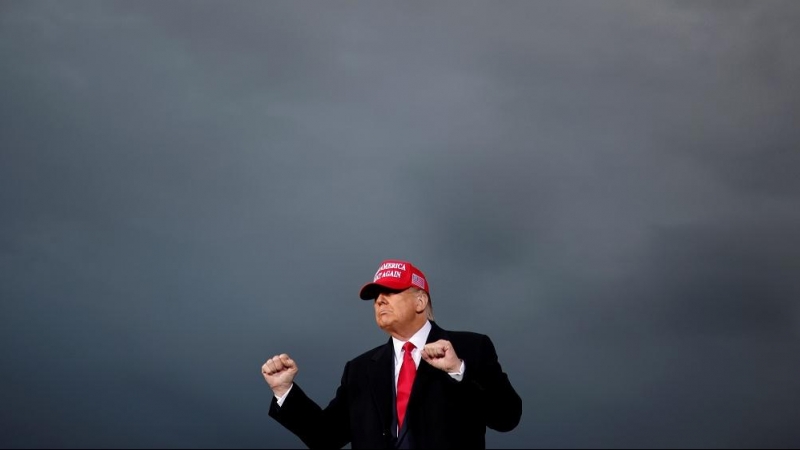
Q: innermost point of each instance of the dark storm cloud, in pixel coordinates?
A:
(607, 189)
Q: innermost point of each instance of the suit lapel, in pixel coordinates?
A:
(425, 372)
(381, 377)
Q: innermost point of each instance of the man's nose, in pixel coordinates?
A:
(382, 299)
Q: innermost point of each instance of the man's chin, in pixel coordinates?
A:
(385, 324)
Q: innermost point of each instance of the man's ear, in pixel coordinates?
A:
(422, 301)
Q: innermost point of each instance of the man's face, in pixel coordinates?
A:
(394, 311)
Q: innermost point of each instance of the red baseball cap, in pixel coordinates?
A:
(396, 275)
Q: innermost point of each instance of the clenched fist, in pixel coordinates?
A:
(440, 354)
(279, 372)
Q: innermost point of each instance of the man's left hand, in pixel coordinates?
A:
(440, 354)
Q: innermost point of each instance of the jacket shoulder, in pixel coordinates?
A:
(369, 354)
(469, 337)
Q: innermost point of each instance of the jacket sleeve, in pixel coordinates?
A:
(316, 427)
(489, 385)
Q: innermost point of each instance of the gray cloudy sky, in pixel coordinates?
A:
(610, 190)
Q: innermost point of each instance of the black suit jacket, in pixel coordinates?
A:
(441, 412)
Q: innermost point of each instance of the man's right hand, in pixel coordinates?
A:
(279, 372)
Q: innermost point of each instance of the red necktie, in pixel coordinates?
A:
(404, 382)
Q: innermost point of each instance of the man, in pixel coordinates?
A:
(425, 388)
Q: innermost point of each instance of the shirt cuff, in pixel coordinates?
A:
(458, 376)
(283, 397)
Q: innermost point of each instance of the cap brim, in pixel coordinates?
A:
(370, 291)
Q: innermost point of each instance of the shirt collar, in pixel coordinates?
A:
(418, 339)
